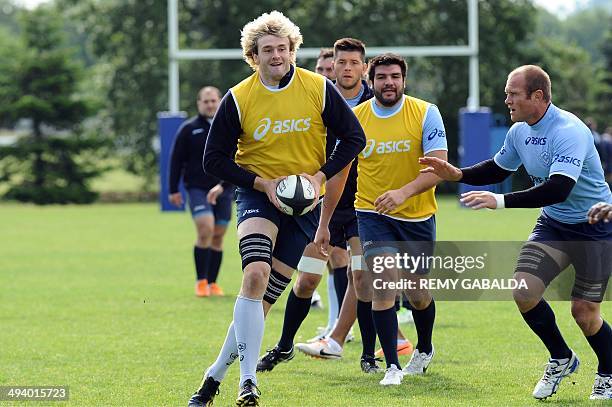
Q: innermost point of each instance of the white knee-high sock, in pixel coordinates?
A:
(227, 356)
(332, 315)
(249, 329)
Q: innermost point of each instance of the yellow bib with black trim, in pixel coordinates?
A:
(390, 159)
(282, 129)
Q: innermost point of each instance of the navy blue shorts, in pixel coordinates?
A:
(381, 234)
(589, 248)
(343, 226)
(222, 210)
(294, 232)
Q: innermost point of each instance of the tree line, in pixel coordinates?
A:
(91, 75)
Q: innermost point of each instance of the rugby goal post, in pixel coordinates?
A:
(169, 121)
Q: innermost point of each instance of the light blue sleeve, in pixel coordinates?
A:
(507, 157)
(568, 151)
(434, 135)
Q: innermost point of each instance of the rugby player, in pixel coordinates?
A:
(210, 200)
(559, 154)
(277, 118)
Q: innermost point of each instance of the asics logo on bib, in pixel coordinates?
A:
(280, 126)
(387, 147)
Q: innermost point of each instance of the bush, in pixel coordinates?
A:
(77, 194)
(52, 170)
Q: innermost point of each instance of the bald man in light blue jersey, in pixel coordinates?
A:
(558, 152)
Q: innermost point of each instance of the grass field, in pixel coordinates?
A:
(100, 298)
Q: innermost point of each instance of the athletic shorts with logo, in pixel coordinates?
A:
(294, 232)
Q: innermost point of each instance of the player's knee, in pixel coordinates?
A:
(257, 272)
(525, 299)
(420, 299)
(586, 314)
(205, 229)
(217, 242)
(255, 278)
(306, 284)
(203, 240)
(338, 257)
(363, 287)
(310, 271)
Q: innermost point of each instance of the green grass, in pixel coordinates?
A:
(117, 179)
(100, 298)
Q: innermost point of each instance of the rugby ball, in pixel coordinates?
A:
(295, 195)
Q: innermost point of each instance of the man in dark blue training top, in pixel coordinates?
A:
(210, 200)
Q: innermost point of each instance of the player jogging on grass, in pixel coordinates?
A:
(558, 152)
(210, 201)
(277, 118)
(349, 66)
(395, 203)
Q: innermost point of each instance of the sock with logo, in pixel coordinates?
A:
(249, 330)
(227, 356)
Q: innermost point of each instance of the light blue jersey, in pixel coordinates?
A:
(352, 102)
(434, 135)
(558, 144)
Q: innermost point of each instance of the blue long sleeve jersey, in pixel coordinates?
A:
(186, 156)
(558, 144)
(347, 200)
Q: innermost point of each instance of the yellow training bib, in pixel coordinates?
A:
(390, 158)
(282, 129)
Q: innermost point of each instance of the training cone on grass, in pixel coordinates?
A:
(403, 349)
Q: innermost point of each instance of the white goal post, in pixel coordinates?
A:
(175, 54)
